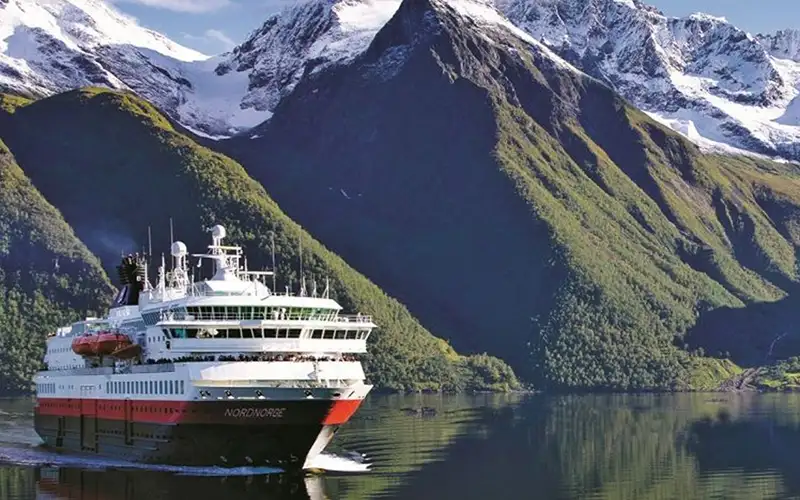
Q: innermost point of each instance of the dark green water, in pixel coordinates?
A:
(682, 446)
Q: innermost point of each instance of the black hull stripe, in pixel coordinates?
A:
(283, 446)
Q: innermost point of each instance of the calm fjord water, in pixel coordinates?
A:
(680, 446)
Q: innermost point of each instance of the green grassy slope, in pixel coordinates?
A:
(532, 212)
(654, 232)
(47, 276)
(114, 165)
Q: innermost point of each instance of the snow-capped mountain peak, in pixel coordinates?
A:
(83, 24)
(304, 38)
(697, 73)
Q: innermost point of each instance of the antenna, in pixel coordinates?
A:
(302, 278)
(274, 271)
(171, 236)
(147, 258)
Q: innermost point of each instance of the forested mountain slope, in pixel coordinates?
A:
(47, 276)
(113, 165)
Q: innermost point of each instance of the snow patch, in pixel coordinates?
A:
(369, 15)
(82, 24)
(485, 11)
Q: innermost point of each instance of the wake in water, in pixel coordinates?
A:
(42, 457)
(352, 462)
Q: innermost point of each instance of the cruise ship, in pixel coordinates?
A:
(223, 371)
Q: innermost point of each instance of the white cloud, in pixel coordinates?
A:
(193, 6)
(213, 39)
(221, 37)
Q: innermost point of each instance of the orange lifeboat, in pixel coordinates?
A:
(83, 345)
(128, 351)
(109, 342)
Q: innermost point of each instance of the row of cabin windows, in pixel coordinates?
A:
(235, 333)
(266, 333)
(48, 388)
(339, 334)
(152, 318)
(146, 387)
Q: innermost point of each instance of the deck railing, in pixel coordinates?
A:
(245, 314)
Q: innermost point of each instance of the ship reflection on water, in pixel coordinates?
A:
(81, 484)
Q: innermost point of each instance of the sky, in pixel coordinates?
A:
(214, 26)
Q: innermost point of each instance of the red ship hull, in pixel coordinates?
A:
(201, 433)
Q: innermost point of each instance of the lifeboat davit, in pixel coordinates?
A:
(107, 343)
(82, 346)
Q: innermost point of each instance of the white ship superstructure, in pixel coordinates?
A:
(221, 371)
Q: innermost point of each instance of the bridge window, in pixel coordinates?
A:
(294, 333)
(328, 334)
(270, 333)
(340, 334)
(351, 334)
(316, 334)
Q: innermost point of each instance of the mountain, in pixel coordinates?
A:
(302, 39)
(784, 44)
(517, 206)
(701, 75)
(51, 46)
(719, 86)
(113, 165)
(47, 276)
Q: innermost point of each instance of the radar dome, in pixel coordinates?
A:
(178, 249)
(218, 231)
